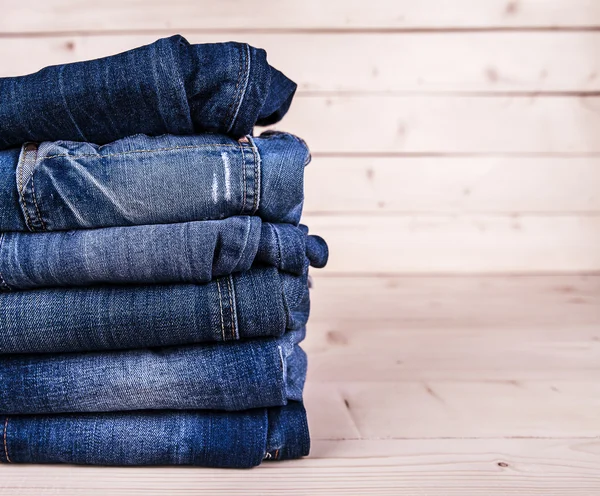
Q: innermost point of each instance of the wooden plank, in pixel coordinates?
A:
(391, 354)
(498, 185)
(442, 124)
(87, 16)
(440, 467)
(506, 329)
(410, 244)
(482, 304)
(445, 408)
(560, 359)
(350, 62)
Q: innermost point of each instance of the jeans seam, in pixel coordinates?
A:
(221, 308)
(242, 95)
(21, 188)
(37, 208)
(5, 443)
(232, 308)
(235, 98)
(130, 152)
(279, 256)
(286, 309)
(247, 232)
(257, 170)
(3, 284)
(244, 183)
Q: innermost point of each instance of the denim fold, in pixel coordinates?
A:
(261, 302)
(65, 185)
(188, 252)
(160, 437)
(222, 376)
(169, 86)
(154, 274)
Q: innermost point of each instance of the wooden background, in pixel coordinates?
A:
(455, 339)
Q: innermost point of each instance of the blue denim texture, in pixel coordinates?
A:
(140, 180)
(191, 437)
(187, 252)
(169, 86)
(224, 376)
(153, 272)
(260, 302)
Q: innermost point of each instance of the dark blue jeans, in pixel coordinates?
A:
(261, 302)
(169, 86)
(223, 376)
(191, 437)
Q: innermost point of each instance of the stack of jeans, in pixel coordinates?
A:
(153, 271)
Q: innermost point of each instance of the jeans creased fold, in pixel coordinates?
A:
(154, 273)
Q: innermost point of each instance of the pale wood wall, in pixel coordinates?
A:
(448, 136)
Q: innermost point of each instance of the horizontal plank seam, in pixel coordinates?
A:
(455, 214)
(453, 438)
(463, 275)
(442, 154)
(317, 30)
(449, 93)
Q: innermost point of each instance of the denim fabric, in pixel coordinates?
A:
(189, 252)
(224, 376)
(169, 86)
(151, 180)
(258, 303)
(202, 438)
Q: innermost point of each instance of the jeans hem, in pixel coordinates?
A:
(26, 187)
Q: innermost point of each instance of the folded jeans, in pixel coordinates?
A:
(187, 252)
(260, 302)
(223, 376)
(202, 438)
(168, 86)
(63, 185)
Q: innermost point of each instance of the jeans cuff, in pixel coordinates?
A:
(26, 187)
(288, 436)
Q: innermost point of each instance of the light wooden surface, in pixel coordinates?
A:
(454, 344)
(433, 385)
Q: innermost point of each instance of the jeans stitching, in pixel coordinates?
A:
(243, 179)
(247, 66)
(286, 308)
(3, 284)
(237, 326)
(257, 164)
(221, 307)
(235, 98)
(130, 152)
(21, 188)
(5, 444)
(231, 310)
(37, 208)
(278, 241)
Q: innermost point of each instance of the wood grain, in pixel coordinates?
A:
(437, 185)
(455, 409)
(441, 467)
(419, 124)
(414, 244)
(530, 62)
(131, 15)
(374, 433)
(448, 138)
(418, 329)
(482, 304)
